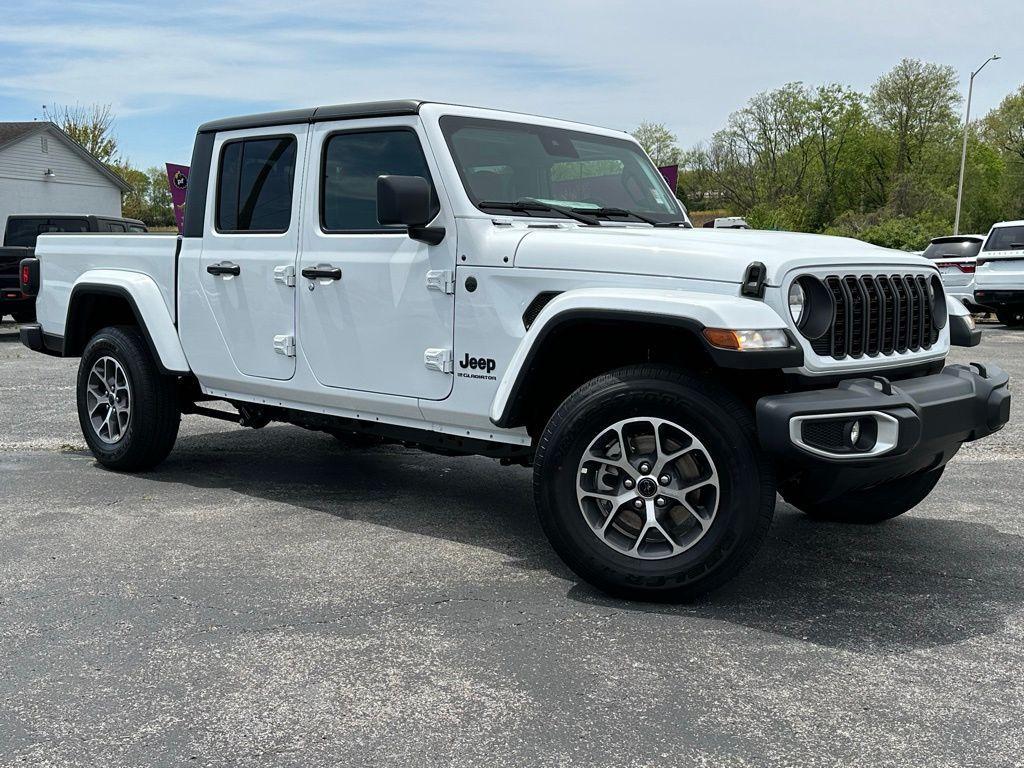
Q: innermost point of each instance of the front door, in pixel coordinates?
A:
(249, 254)
(367, 315)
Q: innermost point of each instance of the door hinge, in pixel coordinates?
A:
(439, 360)
(285, 345)
(285, 274)
(441, 280)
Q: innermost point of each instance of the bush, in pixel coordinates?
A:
(907, 233)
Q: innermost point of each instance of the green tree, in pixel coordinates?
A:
(1003, 130)
(915, 104)
(659, 142)
(92, 127)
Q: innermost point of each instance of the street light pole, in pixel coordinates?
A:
(963, 153)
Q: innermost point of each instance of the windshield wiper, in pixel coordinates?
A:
(634, 214)
(527, 204)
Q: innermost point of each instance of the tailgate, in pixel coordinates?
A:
(1002, 271)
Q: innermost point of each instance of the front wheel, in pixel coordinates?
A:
(872, 505)
(649, 484)
(128, 410)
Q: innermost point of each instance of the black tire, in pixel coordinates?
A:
(24, 316)
(1012, 318)
(712, 415)
(152, 426)
(871, 505)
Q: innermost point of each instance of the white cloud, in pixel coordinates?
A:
(685, 63)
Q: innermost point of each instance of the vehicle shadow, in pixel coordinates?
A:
(912, 583)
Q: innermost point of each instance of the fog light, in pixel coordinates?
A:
(854, 435)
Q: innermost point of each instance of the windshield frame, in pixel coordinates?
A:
(451, 123)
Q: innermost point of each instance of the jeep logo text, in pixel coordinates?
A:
(478, 363)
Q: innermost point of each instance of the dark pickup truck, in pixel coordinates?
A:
(20, 242)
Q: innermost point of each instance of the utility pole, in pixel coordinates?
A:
(963, 153)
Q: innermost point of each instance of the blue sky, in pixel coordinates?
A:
(165, 67)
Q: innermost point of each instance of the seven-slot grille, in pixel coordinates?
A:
(877, 314)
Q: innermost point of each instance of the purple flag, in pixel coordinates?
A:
(671, 174)
(177, 178)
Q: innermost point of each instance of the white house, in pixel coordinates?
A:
(43, 170)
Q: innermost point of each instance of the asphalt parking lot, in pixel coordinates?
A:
(268, 599)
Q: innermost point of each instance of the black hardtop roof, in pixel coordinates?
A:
(316, 114)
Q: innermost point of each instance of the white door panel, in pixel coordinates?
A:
(368, 331)
(254, 312)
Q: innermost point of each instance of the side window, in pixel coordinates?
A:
(114, 226)
(22, 233)
(67, 225)
(254, 188)
(352, 162)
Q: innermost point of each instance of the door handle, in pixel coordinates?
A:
(322, 272)
(224, 268)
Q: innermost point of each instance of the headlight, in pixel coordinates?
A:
(797, 299)
(937, 299)
(811, 305)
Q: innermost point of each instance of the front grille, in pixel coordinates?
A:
(877, 314)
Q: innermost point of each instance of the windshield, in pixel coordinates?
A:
(1005, 239)
(505, 162)
(953, 249)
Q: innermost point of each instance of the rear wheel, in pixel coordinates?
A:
(128, 410)
(1011, 317)
(872, 505)
(650, 485)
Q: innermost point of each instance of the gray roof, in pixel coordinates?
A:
(11, 132)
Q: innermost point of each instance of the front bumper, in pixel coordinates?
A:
(912, 425)
(999, 299)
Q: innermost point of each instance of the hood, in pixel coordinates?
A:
(709, 254)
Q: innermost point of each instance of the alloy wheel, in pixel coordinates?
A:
(648, 488)
(109, 400)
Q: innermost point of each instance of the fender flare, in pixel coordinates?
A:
(147, 304)
(689, 310)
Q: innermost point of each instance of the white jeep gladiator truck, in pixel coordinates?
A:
(479, 282)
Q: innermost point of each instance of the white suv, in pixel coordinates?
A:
(955, 257)
(480, 282)
(999, 280)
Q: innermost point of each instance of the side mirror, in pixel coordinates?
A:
(405, 201)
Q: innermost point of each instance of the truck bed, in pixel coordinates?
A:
(68, 259)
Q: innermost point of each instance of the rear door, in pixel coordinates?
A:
(249, 252)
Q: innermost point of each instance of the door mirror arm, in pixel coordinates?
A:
(428, 235)
(407, 201)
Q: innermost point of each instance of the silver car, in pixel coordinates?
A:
(956, 258)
